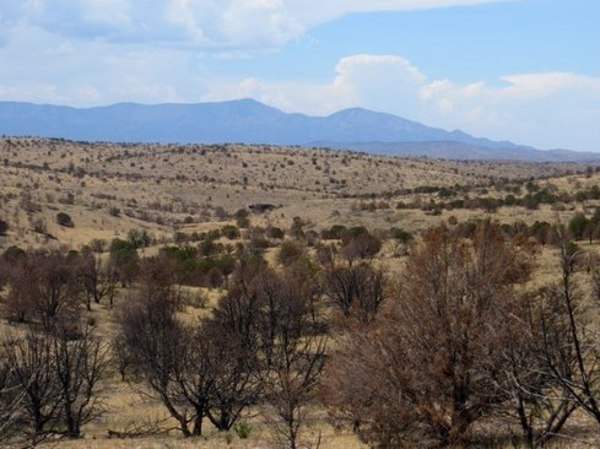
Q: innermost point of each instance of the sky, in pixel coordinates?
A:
(521, 70)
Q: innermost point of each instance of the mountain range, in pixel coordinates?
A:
(251, 122)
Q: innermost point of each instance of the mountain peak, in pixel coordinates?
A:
(246, 121)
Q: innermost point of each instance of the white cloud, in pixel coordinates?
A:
(202, 24)
(548, 110)
(91, 73)
(313, 12)
(544, 109)
(554, 109)
(362, 79)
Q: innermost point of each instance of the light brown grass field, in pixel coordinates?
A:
(169, 189)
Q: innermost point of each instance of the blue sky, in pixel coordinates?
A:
(524, 70)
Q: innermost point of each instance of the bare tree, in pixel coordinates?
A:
(356, 291)
(535, 333)
(233, 331)
(34, 371)
(10, 398)
(296, 354)
(422, 372)
(572, 352)
(362, 246)
(154, 338)
(43, 287)
(174, 360)
(79, 366)
(97, 278)
(56, 380)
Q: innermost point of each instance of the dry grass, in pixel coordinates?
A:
(169, 189)
(192, 188)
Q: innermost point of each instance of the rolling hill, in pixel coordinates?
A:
(251, 122)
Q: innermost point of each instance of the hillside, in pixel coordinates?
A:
(111, 188)
(251, 122)
(116, 223)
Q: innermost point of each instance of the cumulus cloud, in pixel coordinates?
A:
(91, 73)
(558, 108)
(205, 24)
(547, 110)
(362, 79)
(314, 12)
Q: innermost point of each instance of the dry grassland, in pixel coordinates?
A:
(109, 189)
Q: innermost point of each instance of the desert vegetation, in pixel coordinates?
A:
(143, 299)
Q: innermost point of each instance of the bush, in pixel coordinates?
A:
(578, 225)
(333, 233)
(402, 235)
(242, 428)
(64, 219)
(3, 227)
(241, 218)
(274, 232)
(290, 252)
(231, 232)
(139, 238)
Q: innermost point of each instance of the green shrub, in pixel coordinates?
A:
(290, 252)
(64, 219)
(242, 428)
(231, 232)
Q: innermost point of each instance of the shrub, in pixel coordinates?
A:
(241, 218)
(231, 232)
(139, 238)
(402, 235)
(290, 252)
(333, 233)
(274, 232)
(3, 227)
(39, 226)
(64, 219)
(242, 428)
(577, 226)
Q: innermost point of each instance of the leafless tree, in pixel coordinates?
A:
(233, 331)
(422, 372)
(534, 332)
(362, 246)
(10, 398)
(79, 366)
(356, 291)
(34, 371)
(572, 352)
(296, 358)
(97, 278)
(57, 380)
(155, 341)
(43, 287)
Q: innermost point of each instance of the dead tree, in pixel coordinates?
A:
(572, 353)
(10, 399)
(34, 371)
(233, 331)
(43, 287)
(356, 291)
(296, 357)
(98, 280)
(79, 366)
(173, 360)
(422, 372)
(535, 333)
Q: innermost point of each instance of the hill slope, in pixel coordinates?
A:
(248, 121)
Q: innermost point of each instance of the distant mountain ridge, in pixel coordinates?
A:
(251, 122)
